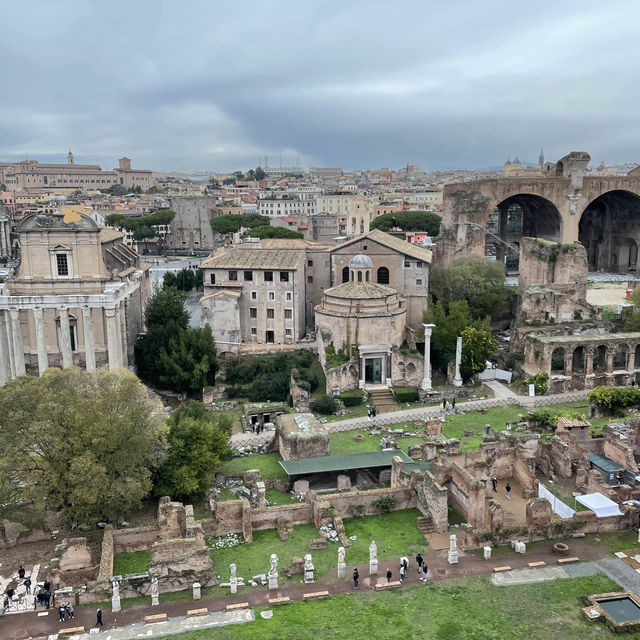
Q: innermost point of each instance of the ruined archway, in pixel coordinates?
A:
(610, 231)
(578, 363)
(557, 361)
(600, 359)
(523, 215)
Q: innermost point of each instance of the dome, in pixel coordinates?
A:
(360, 262)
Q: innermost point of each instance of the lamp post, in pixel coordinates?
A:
(425, 385)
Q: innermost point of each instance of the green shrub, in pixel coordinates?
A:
(405, 394)
(325, 405)
(303, 384)
(352, 398)
(335, 358)
(386, 503)
(545, 417)
(274, 386)
(540, 382)
(615, 399)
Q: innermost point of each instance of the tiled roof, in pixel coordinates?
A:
(401, 246)
(286, 259)
(360, 290)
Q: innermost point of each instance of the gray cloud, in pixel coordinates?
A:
(213, 85)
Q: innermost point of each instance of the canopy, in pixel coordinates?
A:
(344, 462)
(600, 505)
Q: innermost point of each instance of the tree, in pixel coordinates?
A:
(213, 185)
(259, 173)
(477, 346)
(198, 441)
(115, 190)
(185, 279)
(275, 232)
(199, 280)
(476, 280)
(227, 181)
(80, 441)
(408, 221)
(169, 280)
(144, 232)
(232, 223)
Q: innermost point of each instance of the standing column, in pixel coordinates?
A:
(113, 347)
(6, 370)
(123, 334)
(457, 379)
(65, 338)
(41, 341)
(18, 347)
(610, 359)
(425, 385)
(588, 363)
(89, 343)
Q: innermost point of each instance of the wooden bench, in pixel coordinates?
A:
(237, 605)
(71, 631)
(534, 565)
(315, 596)
(158, 617)
(387, 585)
(284, 600)
(568, 560)
(501, 569)
(197, 612)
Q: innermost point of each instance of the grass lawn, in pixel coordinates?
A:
(266, 462)
(130, 562)
(343, 442)
(359, 411)
(620, 540)
(275, 496)
(227, 494)
(395, 534)
(464, 609)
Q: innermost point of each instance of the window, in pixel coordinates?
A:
(309, 279)
(345, 274)
(212, 278)
(248, 276)
(268, 276)
(62, 264)
(419, 281)
(407, 263)
(284, 276)
(359, 276)
(288, 314)
(289, 296)
(254, 331)
(254, 295)
(364, 247)
(233, 275)
(253, 312)
(309, 263)
(419, 264)
(270, 314)
(288, 332)
(272, 295)
(383, 275)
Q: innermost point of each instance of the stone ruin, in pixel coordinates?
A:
(300, 436)
(180, 558)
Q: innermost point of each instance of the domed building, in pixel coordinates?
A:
(367, 321)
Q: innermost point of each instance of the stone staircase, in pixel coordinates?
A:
(425, 525)
(383, 400)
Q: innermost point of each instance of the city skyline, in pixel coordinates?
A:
(204, 88)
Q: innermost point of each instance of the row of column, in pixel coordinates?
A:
(12, 360)
(588, 361)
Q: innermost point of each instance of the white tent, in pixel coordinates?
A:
(600, 505)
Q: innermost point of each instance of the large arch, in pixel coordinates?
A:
(524, 215)
(610, 231)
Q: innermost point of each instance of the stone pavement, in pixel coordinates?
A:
(544, 574)
(621, 572)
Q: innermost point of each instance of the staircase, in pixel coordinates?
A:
(425, 525)
(383, 400)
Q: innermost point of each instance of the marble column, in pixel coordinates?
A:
(18, 347)
(41, 341)
(113, 348)
(65, 338)
(6, 370)
(89, 342)
(457, 379)
(123, 334)
(588, 362)
(610, 353)
(425, 385)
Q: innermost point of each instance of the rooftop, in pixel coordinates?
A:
(344, 462)
(360, 290)
(605, 463)
(402, 246)
(255, 259)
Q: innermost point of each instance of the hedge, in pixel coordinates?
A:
(405, 394)
(325, 405)
(615, 399)
(352, 398)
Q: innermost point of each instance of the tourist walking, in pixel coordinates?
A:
(374, 413)
(423, 578)
(21, 572)
(10, 593)
(453, 405)
(389, 574)
(27, 584)
(356, 577)
(419, 562)
(508, 488)
(444, 404)
(61, 612)
(494, 483)
(403, 571)
(47, 598)
(99, 618)
(69, 609)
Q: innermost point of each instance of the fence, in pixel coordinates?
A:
(396, 418)
(559, 507)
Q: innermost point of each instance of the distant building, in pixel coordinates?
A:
(287, 204)
(191, 228)
(325, 172)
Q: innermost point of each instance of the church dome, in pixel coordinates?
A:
(360, 262)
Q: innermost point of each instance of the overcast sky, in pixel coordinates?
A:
(212, 85)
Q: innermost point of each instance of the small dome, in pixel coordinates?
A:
(360, 262)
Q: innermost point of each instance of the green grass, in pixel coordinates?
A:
(130, 562)
(227, 494)
(343, 442)
(275, 496)
(464, 609)
(266, 462)
(358, 411)
(620, 540)
(395, 534)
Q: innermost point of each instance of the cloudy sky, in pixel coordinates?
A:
(212, 85)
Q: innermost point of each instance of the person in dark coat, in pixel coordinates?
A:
(494, 483)
(99, 618)
(21, 572)
(389, 574)
(47, 598)
(356, 577)
(27, 584)
(419, 563)
(508, 488)
(61, 612)
(10, 593)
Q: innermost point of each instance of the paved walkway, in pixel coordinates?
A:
(621, 572)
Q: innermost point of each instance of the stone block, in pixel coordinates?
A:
(76, 555)
(301, 487)
(158, 617)
(344, 482)
(385, 476)
(197, 612)
(487, 553)
(433, 427)
(196, 590)
(237, 605)
(453, 447)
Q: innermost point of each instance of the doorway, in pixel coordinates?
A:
(269, 337)
(373, 370)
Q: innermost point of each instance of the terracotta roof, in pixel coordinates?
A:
(255, 259)
(360, 290)
(401, 246)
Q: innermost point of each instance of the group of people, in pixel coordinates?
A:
(65, 609)
(494, 485)
(444, 404)
(372, 413)
(10, 592)
(257, 427)
(404, 568)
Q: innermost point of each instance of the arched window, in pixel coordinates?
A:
(359, 276)
(367, 276)
(345, 274)
(383, 275)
